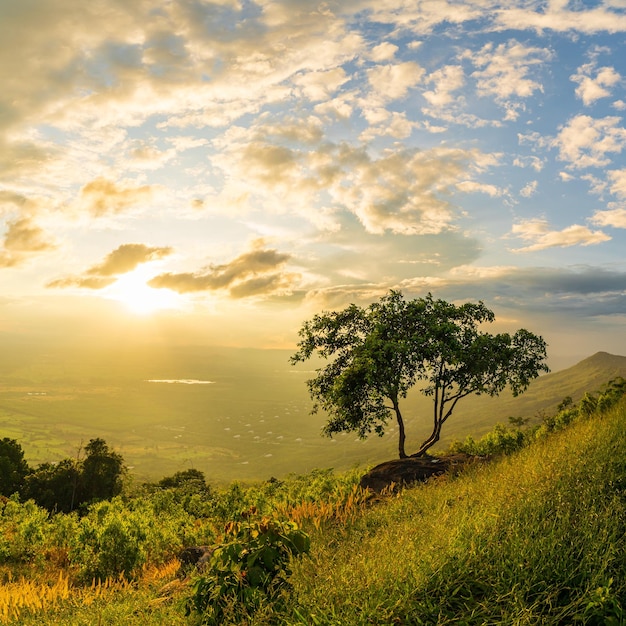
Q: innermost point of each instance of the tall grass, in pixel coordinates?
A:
(535, 538)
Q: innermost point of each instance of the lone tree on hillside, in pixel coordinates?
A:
(378, 353)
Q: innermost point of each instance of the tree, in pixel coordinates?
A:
(13, 467)
(102, 472)
(376, 354)
(53, 485)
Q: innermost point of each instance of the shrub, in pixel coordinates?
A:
(248, 570)
(500, 440)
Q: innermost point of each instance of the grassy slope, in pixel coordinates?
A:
(535, 538)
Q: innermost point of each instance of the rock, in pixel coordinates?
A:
(194, 557)
(402, 472)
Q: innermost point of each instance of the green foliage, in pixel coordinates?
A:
(23, 531)
(109, 543)
(187, 481)
(377, 354)
(117, 538)
(248, 570)
(54, 486)
(13, 467)
(102, 472)
(70, 483)
(500, 440)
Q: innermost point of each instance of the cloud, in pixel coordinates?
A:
(22, 239)
(83, 282)
(530, 189)
(592, 88)
(446, 80)
(471, 186)
(319, 86)
(259, 271)
(505, 71)
(611, 217)
(384, 51)
(555, 16)
(122, 260)
(103, 196)
(618, 180)
(405, 190)
(537, 231)
(585, 141)
(393, 81)
(126, 258)
(587, 291)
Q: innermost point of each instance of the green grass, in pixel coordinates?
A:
(536, 538)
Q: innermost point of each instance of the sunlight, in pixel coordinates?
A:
(133, 292)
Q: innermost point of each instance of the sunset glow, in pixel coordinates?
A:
(133, 292)
(268, 160)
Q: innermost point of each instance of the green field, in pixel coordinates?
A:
(251, 420)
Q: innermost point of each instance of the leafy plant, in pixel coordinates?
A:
(249, 569)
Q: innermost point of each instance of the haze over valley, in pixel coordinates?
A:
(232, 413)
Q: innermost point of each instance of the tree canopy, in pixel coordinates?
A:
(13, 466)
(376, 354)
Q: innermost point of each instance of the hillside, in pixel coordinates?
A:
(476, 415)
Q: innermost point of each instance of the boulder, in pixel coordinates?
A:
(402, 472)
(194, 557)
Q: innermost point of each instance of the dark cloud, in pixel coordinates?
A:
(581, 291)
(251, 273)
(126, 258)
(122, 260)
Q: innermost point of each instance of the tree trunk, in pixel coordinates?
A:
(401, 433)
(430, 442)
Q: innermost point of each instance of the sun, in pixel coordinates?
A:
(133, 292)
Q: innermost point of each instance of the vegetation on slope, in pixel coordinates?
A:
(535, 537)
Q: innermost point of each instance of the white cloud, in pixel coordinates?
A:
(505, 71)
(618, 182)
(472, 186)
(591, 88)
(393, 124)
(537, 232)
(529, 190)
(446, 80)
(555, 16)
(585, 141)
(318, 86)
(611, 217)
(383, 52)
(392, 82)
(529, 161)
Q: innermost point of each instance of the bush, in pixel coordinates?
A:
(500, 440)
(109, 543)
(248, 570)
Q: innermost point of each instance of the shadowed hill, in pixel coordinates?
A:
(477, 414)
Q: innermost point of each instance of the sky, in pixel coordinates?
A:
(219, 171)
